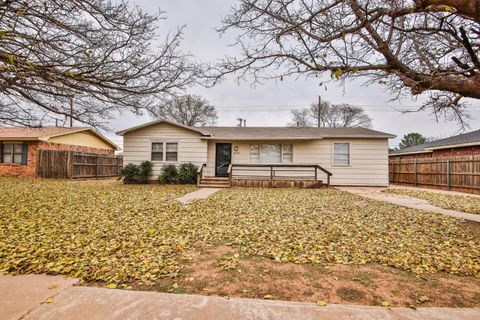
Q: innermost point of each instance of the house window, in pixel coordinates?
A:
(172, 151)
(157, 151)
(271, 153)
(164, 151)
(341, 154)
(12, 153)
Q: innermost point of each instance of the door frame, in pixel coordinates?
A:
(216, 156)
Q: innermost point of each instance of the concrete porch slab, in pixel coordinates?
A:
(19, 295)
(98, 303)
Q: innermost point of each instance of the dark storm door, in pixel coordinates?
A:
(223, 157)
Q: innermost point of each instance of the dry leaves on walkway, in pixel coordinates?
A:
(118, 234)
(468, 204)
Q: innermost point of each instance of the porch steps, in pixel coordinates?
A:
(214, 182)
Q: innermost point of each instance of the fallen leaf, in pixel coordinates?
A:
(321, 303)
(111, 286)
(386, 304)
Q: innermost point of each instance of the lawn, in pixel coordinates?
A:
(280, 243)
(469, 204)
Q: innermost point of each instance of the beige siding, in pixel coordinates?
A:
(84, 139)
(368, 159)
(137, 145)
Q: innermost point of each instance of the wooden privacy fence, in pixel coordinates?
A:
(459, 174)
(72, 165)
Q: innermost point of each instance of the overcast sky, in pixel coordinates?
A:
(270, 104)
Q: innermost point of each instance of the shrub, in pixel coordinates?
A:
(130, 172)
(187, 173)
(146, 170)
(169, 174)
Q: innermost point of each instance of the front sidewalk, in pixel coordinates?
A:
(28, 297)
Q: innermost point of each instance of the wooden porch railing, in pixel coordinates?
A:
(200, 173)
(235, 171)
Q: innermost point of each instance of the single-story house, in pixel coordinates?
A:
(275, 156)
(19, 146)
(467, 144)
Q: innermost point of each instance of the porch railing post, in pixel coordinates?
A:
(316, 174)
(271, 176)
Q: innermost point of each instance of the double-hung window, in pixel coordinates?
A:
(165, 151)
(341, 154)
(12, 153)
(271, 153)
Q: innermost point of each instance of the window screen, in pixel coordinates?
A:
(341, 154)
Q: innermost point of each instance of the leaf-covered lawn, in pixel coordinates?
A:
(119, 234)
(469, 204)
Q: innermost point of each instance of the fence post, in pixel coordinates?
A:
(416, 179)
(96, 167)
(393, 171)
(448, 173)
(70, 161)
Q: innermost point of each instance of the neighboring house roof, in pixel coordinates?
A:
(44, 134)
(461, 140)
(273, 133)
(151, 123)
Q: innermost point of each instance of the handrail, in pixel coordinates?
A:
(229, 173)
(200, 173)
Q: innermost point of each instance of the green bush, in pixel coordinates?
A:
(130, 172)
(187, 173)
(146, 170)
(168, 175)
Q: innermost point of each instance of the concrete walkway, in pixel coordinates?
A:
(377, 194)
(196, 195)
(25, 297)
(20, 295)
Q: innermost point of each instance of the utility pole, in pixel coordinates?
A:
(319, 111)
(71, 111)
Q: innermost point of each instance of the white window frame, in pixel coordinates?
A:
(260, 150)
(349, 154)
(165, 150)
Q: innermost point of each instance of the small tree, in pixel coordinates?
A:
(412, 139)
(330, 115)
(189, 110)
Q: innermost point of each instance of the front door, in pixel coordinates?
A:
(223, 157)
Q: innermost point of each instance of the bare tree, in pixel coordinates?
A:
(330, 115)
(425, 46)
(97, 52)
(190, 110)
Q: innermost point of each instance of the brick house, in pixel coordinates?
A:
(19, 146)
(463, 145)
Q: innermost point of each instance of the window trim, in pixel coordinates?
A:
(23, 153)
(349, 154)
(260, 156)
(165, 151)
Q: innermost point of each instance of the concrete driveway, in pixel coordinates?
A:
(376, 193)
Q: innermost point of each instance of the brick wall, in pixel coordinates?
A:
(28, 170)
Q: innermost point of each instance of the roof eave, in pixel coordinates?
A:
(458, 145)
(406, 153)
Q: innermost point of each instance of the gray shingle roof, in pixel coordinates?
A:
(257, 133)
(466, 138)
(271, 133)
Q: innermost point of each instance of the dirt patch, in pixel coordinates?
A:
(370, 284)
